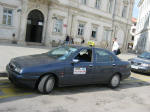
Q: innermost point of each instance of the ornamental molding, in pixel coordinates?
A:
(8, 5)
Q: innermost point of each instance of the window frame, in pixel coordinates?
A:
(7, 16)
(106, 31)
(56, 26)
(92, 58)
(110, 6)
(111, 55)
(84, 2)
(94, 28)
(124, 14)
(98, 4)
(81, 28)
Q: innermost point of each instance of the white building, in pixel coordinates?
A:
(133, 33)
(43, 21)
(142, 38)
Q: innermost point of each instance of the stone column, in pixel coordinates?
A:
(70, 21)
(48, 27)
(74, 26)
(23, 23)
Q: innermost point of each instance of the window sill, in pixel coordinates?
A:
(6, 26)
(79, 36)
(94, 39)
(56, 33)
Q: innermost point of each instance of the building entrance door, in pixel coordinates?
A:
(34, 26)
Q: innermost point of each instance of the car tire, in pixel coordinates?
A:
(115, 81)
(46, 84)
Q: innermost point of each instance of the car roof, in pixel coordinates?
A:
(84, 46)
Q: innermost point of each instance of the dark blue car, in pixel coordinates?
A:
(68, 66)
(141, 63)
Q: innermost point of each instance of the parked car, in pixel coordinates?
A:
(141, 63)
(68, 66)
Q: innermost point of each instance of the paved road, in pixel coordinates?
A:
(132, 95)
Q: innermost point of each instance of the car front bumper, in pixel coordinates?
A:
(20, 80)
(141, 69)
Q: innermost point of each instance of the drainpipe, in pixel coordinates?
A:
(46, 23)
(20, 14)
(113, 30)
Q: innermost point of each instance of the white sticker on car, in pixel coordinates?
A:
(78, 71)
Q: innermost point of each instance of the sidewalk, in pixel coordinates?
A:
(127, 56)
(7, 52)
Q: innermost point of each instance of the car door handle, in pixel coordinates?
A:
(90, 65)
(113, 64)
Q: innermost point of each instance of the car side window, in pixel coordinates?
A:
(103, 56)
(84, 55)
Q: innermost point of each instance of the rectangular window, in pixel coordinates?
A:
(58, 26)
(132, 37)
(106, 35)
(94, 32)
(7, 16)
(103, 56)
(84, 2)
(110, 5)
(124, 11)
(97, 4)
(81, 29)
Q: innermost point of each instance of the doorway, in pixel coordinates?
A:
(34, 29)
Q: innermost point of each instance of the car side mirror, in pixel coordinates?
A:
(75, 61)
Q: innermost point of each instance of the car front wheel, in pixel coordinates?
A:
(46, 84)
(115, 81)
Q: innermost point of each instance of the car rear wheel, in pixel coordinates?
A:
(115, 81)
(46, 84)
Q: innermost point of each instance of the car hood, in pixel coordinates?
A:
(141, 60)
(33, 60)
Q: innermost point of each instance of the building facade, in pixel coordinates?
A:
(133, 33)
(142, 37)
(48, 21)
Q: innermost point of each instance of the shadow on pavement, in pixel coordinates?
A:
(129, 83)
(139, 73)
(9, 92)
(3, 74)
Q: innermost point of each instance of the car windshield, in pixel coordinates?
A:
(145, 55)
(62, 53)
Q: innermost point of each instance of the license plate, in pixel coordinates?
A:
(134, 67)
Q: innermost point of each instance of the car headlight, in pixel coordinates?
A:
(17, 69)
(145, 65)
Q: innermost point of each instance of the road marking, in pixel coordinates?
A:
(9, 90)
(12, 92)
(141, 77)
(14, 95)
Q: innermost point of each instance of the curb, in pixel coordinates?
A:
(3, 74)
